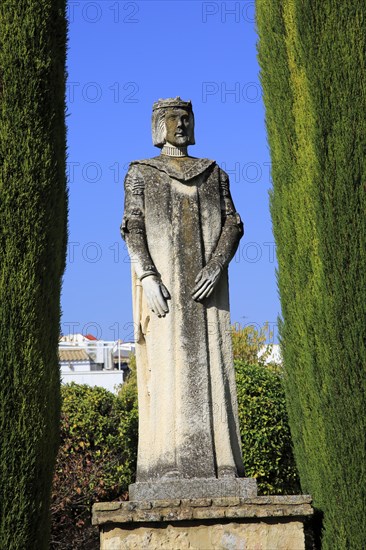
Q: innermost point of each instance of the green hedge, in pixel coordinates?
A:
(265, 434)
(96, 460)
(313, 71)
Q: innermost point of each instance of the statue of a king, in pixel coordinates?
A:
(182, 230)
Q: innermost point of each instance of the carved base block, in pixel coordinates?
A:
(259, 523)
(194, 488)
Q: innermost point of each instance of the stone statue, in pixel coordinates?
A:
(182, 230)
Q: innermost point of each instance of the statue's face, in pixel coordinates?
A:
(179, 127)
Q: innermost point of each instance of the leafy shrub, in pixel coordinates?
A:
(265, 434)
(128, 425)
(96, 460)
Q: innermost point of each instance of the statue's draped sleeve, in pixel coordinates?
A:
(133, 228)
(232, 226)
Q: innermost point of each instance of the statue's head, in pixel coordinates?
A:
(173, 122)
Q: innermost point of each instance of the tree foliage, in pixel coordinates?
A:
(264, 429)
(312, 56)
(33, 211)
(265, 433)
(96, 460)
(128, 427)
(250, 345)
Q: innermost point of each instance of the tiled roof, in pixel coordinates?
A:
(73, 355)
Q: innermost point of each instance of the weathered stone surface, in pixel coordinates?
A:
(146, 505)
(108, 506)
(229, 536)
(194, 488)
(178, 514)
(209, 513)
(181, 510)
(259, 523)
(155, 514)
(100, 518)
(228, 501)
(166, 503)
(182, 230)
(196, 502)
(277, 499)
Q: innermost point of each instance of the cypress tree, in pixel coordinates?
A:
(33, 212)
(313, 71)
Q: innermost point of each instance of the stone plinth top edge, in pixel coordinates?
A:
(202, 509)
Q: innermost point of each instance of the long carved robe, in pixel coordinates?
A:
(178, 216)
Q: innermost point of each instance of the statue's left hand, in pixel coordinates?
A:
(206, 281)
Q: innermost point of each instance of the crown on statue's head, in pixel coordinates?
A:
(172, 103)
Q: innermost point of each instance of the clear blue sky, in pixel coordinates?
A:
(122, 57)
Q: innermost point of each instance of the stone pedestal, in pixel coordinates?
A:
(227, 523)
(245, 487)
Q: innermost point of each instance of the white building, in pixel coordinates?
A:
(86, 360)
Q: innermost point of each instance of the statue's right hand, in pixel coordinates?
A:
(156, 295)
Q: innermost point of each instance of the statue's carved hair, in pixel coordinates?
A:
(159, 127)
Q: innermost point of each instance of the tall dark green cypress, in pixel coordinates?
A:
(33, 213)
(313, 69)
